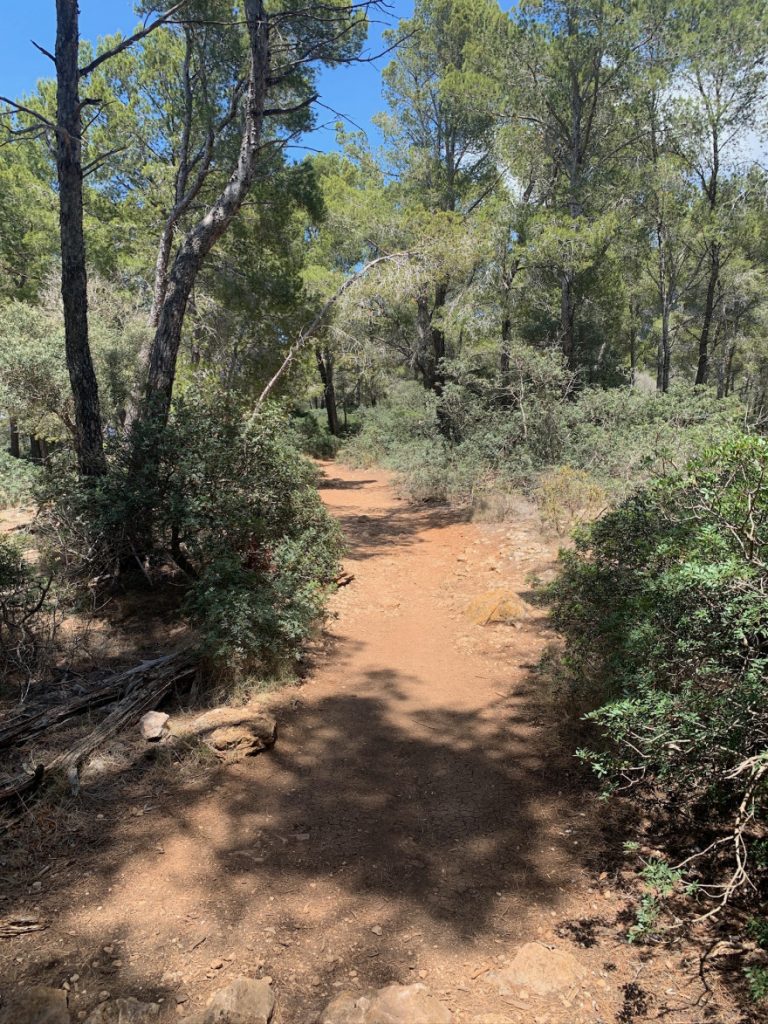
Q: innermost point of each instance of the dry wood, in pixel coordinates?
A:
(142, 689)
(20, 924)
(31, 721)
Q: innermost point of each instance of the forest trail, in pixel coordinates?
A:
(416, 820)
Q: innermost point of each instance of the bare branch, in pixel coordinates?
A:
(130, 40)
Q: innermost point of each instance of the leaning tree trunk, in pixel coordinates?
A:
(74, 280)
(156, 401)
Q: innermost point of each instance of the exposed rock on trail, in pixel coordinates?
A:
(234, 732)
(124, 1011)
(395, 1004)
(539, 969)
(36, 1005)
(244, 1001)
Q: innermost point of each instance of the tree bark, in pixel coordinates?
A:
(74, 280)
(14, 447)
(506, 333)
(156, 401)
(702, 368)
(567, 319)
(325, 368)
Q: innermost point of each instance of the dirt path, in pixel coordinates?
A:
(415, 820)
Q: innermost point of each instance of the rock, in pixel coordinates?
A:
(124, 1011)
(395, 1004)
(152, 725)
(540, 970)
(36, 1005)
(497, 606)
(237, 732)
(244, 1001)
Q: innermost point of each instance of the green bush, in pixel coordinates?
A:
(663, 606)
(231, 503)
(495, 432)
(18, 480)
(313, 436)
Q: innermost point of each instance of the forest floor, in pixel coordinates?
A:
(419, 818)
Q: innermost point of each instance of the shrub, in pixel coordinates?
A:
(566, 496)
(231, 503)
(663, 605)
(493, 431)
(313, 436)
(27, 617)
(18, 480)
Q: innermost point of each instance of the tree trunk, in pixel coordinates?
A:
(664, 355)
(14, 446)
(74, 281)
(567, 319)
(325, 368)
(35, 449)
(506, 333)
(702, 369)
(156, 400)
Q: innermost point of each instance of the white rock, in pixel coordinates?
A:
(152, 724)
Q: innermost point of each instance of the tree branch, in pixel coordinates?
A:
(130, 40)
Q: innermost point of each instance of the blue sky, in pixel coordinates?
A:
(353, 91)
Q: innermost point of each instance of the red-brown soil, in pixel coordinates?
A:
(418, 818)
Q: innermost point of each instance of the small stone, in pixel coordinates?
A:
(152, 725)
(216, 965)
(377, 929)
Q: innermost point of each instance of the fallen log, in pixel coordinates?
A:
(31, 721)
(20, 924)
(148, 684)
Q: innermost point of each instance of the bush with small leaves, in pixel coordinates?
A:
(230, 503)
(663, 605)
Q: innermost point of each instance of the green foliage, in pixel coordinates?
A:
(757, 929)
(757, 980)
(18, 480)
(662, 603)
(232, 504)
(499, 431)
(313, 436)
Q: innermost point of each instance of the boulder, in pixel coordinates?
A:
(243, 1001)
(497, 606)
(539, 969)
(152, 725)
(395, 1004)
(235, 732)
(36, 1005)
(124, 1011)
